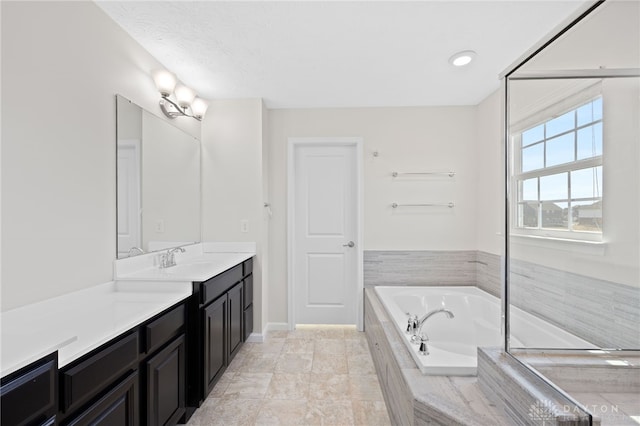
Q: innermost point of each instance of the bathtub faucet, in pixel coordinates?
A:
(422, 339)
(428, 315)
(412, 324)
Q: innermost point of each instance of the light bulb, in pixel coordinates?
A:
(199, 107)
(463, 58)
(184, 95)
(165, 81)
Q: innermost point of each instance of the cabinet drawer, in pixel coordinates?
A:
(118, 407)
(248, 267)
(213, 288)
(248, 291)
(29, 397)
(86, 379)
(164, 328)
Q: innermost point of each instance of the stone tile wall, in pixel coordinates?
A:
(422, 268)
(602, 312)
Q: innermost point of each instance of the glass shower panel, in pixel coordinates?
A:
(574, 235)
(572, 280)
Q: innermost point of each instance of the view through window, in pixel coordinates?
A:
(559, 173)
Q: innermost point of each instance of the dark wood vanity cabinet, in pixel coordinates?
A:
(91, 375)
(236, 319)
(102, 386)
(29, 396)
(165, 384)
(218, 314)
(156, 373)
(222, 325)
(118, 406)
(247, 314)
(164, 369)
(136, 378)
(215, 347)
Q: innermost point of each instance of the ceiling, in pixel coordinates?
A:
(305, 54)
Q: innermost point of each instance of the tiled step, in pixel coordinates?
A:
(525, 398)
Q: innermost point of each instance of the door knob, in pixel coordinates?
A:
(349, 244)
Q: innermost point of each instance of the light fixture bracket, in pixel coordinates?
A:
(173, 110)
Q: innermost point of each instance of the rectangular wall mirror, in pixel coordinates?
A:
(158, 182)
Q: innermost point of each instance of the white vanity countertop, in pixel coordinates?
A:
(78, 322)
(193, 268)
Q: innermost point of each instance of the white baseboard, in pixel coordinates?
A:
(272, 326)
(277, 326)
(255, 338)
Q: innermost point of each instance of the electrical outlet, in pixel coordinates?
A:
(160, 226)
(244, 225)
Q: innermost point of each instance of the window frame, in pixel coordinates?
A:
(517, 177)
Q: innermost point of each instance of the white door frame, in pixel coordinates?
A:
(293, 143)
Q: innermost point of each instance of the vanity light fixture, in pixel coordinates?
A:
(463, 58)
(186, 99)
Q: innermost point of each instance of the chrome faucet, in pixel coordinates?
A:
(168, 259)
(412, 323)
(428, 315)
(422, 339)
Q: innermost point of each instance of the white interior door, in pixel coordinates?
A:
(325, 228)
(129, 213)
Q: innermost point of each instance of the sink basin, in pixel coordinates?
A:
(190, 268)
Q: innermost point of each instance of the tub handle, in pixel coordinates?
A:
(424, 349)
(412, 323)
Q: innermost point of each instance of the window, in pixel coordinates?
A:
(558, 175)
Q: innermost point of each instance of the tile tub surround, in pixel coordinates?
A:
(604, 313)
(525, 398)
(419, 267)
(600, 371)
(488, 273)
(416, 399)
(78, 322)
(311, 376)
(433, 267)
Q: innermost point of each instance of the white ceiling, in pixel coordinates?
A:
(339, 54)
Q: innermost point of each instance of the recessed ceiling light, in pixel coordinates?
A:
(463, 58)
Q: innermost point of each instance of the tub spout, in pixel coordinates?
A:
(428, 315)
(422, 339)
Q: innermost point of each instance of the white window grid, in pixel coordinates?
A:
(519, 177)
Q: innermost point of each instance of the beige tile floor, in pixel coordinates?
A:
(315, 375)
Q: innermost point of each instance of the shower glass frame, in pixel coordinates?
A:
(513, 75)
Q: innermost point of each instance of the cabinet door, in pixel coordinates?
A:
(248, 291)
(248, 322)
(215, 342)
(236, 314)
(119, 407)
(166, 384)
